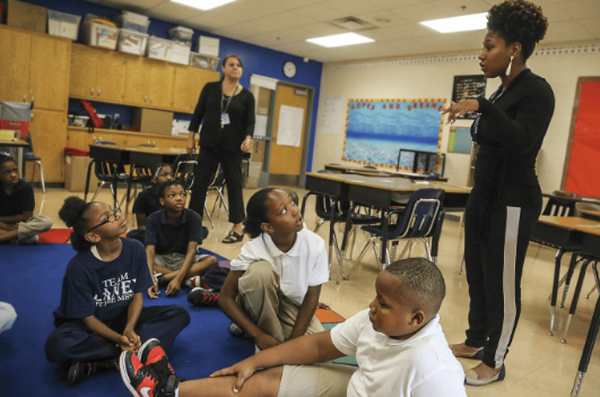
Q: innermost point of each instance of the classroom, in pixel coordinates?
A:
(309, 99)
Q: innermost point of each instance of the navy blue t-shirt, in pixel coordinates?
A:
(103, 289)
(170, 237)
(147, 202)
(20, 200)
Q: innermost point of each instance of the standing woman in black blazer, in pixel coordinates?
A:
(506, 199)
(226, 110)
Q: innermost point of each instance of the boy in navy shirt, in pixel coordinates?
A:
(172, 238)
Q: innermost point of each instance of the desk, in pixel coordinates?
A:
(125, 155)
(590, 214)
(348, 169)
(382, 193)
(15, 149)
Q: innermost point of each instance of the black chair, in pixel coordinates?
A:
(218, 185)
(29, 156)
(110, 173)
(419, 220)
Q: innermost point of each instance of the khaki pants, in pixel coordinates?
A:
(34, 226)
(316, 380)
(262, 300)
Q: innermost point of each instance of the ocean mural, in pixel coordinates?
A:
(376, 130)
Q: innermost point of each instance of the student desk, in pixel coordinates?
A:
(383, 193)
(16, 151)
(591, 246)
(590, 214)
(369, 171)
(143, 156)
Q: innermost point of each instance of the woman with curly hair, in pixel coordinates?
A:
(506, 199)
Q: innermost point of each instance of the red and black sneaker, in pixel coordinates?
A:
(141, 380)
(152, 355)
(202, 297)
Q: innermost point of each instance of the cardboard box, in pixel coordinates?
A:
(76, 168)
(152, 121)
(208, 46)
(26, 16)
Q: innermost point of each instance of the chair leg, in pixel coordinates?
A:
(462, 265)
(98, 190)
(321, 222)
(39, 163)
(220, 192)
(208, 215)
(427, 249)
(594, 288)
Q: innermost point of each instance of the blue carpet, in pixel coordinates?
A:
(32, 282)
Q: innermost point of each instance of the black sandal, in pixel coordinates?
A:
(232, 237)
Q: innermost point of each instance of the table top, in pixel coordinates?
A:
(572, 223)
(369, 171)
(141, 149)
(18, 142)
(389, 183)
(591, 213)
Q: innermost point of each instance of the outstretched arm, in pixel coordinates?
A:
(306, 312)
(308, 349)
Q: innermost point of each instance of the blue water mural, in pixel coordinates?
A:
(377, 129)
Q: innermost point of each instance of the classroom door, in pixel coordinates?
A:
(287, 160)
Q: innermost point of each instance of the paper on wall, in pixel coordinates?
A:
(331, 114)
(289, 129)
(260, 127)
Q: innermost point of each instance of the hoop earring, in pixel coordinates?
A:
(509, 68)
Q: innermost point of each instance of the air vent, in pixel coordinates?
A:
(352, 24)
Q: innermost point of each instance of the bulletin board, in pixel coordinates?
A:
(460, 140)
(376, 129)
(468, 87)
(581, 174)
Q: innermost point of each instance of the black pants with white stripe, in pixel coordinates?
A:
(496, 242)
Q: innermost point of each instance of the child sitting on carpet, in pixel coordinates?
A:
(147, 201)
(17, 203)
(100, 312)
(273, 289)
(398, 342)
(172, 238)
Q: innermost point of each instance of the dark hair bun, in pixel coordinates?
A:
(71, 210)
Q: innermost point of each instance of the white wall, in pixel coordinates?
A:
(432, 77)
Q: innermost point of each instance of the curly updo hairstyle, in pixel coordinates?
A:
(74, 214)
(256, 212)
(518, 21)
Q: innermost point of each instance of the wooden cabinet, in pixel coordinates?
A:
(79, 138)
(189, 82)
(149, 83)
(96, 74)
(161, 84)
(33, 68)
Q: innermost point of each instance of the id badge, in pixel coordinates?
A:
(225, 118)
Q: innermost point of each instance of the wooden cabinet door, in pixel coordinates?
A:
(189, 82)
(49, 66)
(110, 77)
(161, 84)
(137, 81)
(15, 49)
(82, 82)
(48, 131)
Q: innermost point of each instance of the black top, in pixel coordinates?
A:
(170, 237)
(241, 116)
(147, 202)
(510, 134)
(20, 200)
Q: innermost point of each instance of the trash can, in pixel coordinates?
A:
(76, 166)
(251, 172)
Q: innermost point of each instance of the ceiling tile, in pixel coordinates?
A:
(133, 5)
(322, 29)
(207, 22)
(285, 36)
(562, 32)
(592, 25)
(351, 7)
(172, 12)
(321, 12)
(582, 8)
(419, 12)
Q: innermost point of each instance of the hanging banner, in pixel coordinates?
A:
(376, 130)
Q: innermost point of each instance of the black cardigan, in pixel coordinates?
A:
(510, 134)
(241, 116)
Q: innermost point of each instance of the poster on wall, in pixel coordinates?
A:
(376, 130)
(460, 140)
(468, 87)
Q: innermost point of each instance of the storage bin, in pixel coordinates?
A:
(63, 24)
(159, 48)
(208, 46)
(204, 62)
(132, 21)
(180, 54)
(99, 35)
(181, 35)
(132, 42)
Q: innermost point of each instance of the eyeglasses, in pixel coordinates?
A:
(109, 219)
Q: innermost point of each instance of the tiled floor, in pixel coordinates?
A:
(538, 364)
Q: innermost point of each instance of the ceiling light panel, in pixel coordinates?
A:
(203, 5)
(463, 23)
(340, 40)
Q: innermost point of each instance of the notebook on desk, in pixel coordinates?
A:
(8, 135)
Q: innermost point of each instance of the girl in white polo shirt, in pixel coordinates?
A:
(273, 289)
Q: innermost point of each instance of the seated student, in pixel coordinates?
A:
(17, 203)
(274, 285)
(147, 201)
(398, 342)
(172, 238)
(100, 312)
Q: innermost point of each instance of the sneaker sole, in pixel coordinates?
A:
(125, 375)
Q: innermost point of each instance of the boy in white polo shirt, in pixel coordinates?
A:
(399, 345)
